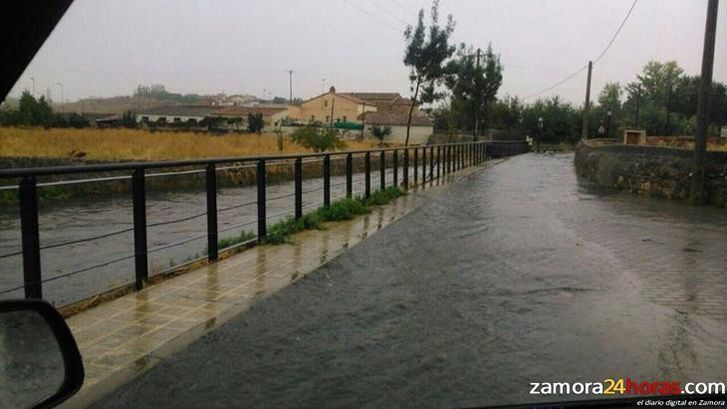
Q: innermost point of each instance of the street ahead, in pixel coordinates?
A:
(515, 275)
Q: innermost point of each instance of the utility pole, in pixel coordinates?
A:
(333, 104)
(265, 91)
(290, 72)
(638, 103)
(477, 108)
(363, 117)
(587, 105)
(705, 83)
(667, 127)
(61, 86)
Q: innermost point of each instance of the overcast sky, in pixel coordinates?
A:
(106, 48)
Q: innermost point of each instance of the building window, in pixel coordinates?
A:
(344, 119)
(326, 118)
(325, 103)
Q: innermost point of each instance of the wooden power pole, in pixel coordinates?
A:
(697, 195)
(477, 108)
(587, 105)
(290, 72)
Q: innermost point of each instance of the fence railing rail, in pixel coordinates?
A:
(426, 162)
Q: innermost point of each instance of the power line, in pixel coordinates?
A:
(384, 22)
(404, 8)
(617, 32)
(385, 10)
(570, 77)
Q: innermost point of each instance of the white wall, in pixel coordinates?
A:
(418, 134)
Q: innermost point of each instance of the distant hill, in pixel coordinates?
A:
(144, 97)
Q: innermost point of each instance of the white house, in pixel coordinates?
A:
(420, 131)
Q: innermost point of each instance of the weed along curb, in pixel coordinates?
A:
(343, 209)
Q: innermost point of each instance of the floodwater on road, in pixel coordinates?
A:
(516, 274)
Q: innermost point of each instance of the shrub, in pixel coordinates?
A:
(380, 132)
(344, 209)
(318, 139)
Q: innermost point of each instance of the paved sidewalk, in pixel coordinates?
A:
(122, 338)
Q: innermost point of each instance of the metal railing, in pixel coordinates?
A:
(430, 162)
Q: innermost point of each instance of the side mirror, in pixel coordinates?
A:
(40, 365)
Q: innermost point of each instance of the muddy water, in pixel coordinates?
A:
(517, 274)
(83, 218)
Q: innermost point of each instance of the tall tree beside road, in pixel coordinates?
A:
(474, 85)
(427, 48)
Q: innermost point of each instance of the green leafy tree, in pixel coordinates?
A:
(474, 85)
(128, 119)
(255, 122)
(427, 48)
(380, 132)
(318, 139)
(36, 112)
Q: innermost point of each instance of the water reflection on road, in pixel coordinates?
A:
(517, 274)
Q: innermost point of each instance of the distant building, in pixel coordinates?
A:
(420, 131)
(370, 109)
(723, 133)
(174, 114)
(235, 117)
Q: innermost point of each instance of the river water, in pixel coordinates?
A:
(517, 274)
(82, 218)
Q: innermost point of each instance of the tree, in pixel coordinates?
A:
(34, 112)
(380, 132)
(425, 55)
(255, 122)
(318, 139)
(657, 78)
(474, 86)
(128, 119)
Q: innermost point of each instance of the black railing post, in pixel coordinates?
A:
(447, 157)
(405, 176)
(367, 175)
(211, 186)
(395, 164)
(439, 162)
(431, 166)
(326, 180)
(298, 188)
(30, 237)
(349, 175)
(382, 169)
(460, 157)
(416, 166)
(141, 262)
(262, 227)
(424, 167)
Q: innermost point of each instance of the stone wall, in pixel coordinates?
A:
(649, 170)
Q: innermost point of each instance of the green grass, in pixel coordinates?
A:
(344, 209)
(231, 241)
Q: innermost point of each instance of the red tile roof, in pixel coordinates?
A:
(244, 111)
(395, 118)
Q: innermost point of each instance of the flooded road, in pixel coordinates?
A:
(516, 274)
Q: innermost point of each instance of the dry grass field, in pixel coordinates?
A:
(131, 144)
